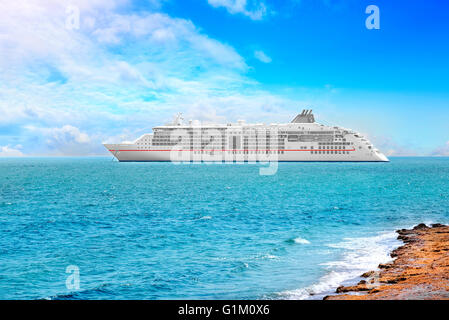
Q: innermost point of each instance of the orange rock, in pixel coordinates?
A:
(420, 270)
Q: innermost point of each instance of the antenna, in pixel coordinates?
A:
(177, 121)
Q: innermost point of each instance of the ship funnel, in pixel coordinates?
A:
(305, 116)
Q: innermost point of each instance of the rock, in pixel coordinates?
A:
(393, 280)
(406, 232)
(420, 226)
(420, 269)
(340, 289)
(407, 238)
(343, 289)
(368, 274)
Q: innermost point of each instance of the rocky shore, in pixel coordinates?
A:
(419, 271)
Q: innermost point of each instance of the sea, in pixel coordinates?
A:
(94, 228)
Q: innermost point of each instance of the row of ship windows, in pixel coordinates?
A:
(162, 142)
(246, 145)
(335, 143)
(329, 152)
(212, 146)
(238, 134)
(248, 130)
(198, 136)
(271, 152)
(304, 148)
(245, 135)
(223, 140)
(241, 152)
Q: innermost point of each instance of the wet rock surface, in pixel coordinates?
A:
(420, 270)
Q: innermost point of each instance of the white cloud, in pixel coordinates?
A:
(67, 134)
(163, 35)
(256, 10)
(66, 140)
(157, 29)
(389, 147)
(128, 73)
(442, 151)
(261, 56)
(7, 151)
(120, 74)
(36, 29)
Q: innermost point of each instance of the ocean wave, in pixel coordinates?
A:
(298, 240)
(5, 204)
(360, 255)
(301, 240)
(74, 295)
(270, 257)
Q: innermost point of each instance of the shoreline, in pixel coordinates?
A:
(419, 271)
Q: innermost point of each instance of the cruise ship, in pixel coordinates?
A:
(303, 139)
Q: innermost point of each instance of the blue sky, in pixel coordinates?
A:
(130, 65)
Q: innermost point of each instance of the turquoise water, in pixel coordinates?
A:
(203, 231)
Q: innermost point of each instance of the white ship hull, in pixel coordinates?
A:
(129, 154)
(301, 140)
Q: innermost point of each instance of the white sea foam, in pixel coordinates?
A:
(301, 240)
(360, 255)
(269, 256)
